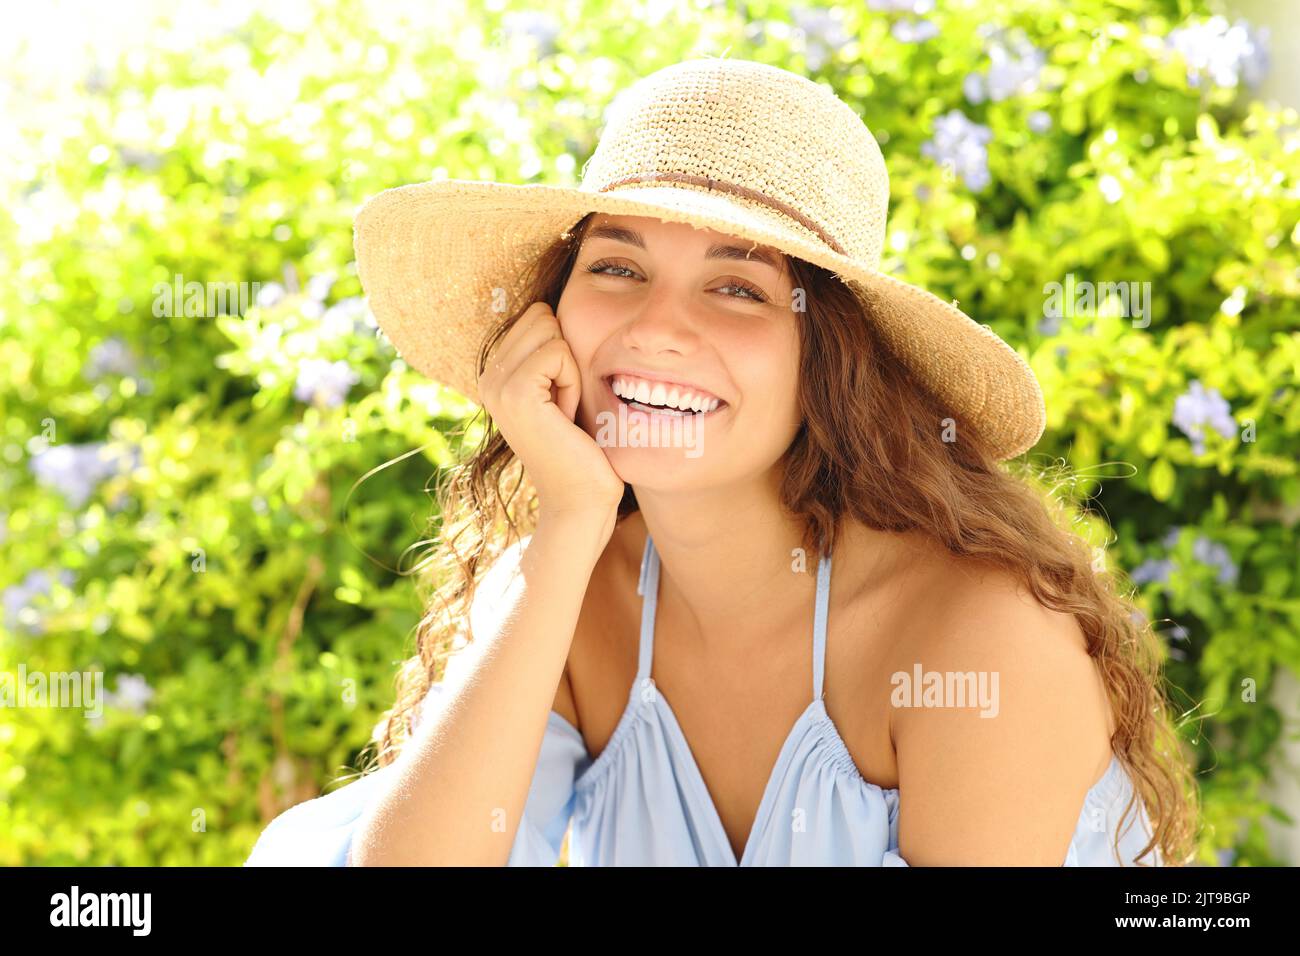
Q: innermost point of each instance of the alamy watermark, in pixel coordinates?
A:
(129, 910)
(54, 689)
(643, 430)
(203, 299)
(1085, 298)
(921, 688)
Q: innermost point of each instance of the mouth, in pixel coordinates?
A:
(663, 410)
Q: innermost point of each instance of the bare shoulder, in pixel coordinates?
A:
(999, 716)
(931, 598)
(975, 600)
(974, 615)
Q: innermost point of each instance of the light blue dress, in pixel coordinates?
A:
(643, 800)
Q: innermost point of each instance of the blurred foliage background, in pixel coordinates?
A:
(180, 480)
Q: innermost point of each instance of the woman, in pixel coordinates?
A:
(879, 647)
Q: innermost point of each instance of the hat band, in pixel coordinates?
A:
(744, 192)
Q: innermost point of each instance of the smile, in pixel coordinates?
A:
(660, 398)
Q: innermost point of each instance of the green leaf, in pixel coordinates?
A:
(1161, 479)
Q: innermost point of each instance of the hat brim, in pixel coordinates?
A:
(441, 261)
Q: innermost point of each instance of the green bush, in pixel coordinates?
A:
(244, 593)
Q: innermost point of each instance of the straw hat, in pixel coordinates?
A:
(740, 147)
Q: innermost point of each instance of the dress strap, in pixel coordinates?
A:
(819, 624)
(648, 588)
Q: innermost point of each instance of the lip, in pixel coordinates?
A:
(616, 402)
(608, 379)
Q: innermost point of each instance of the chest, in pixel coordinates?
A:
(735, 712)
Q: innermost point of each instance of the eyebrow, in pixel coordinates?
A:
(722, 250)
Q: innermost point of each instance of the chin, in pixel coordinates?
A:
(679, 446)
(658, 469)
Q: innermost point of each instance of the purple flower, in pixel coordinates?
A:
(823, 32)
(1204, 550)
(75, 470)
(1226, 856)
(902, 6)
(1224, 52)
(914, 31)
(540, 28)
(1198, 407)
(1153, 569)
(1215, 554)
(1014, 67)
(111, 356)
(346, 317)
(1040, 121)
(961, 145)
(18, 598)
(1049, 324)
(131, 692)
(323, 382)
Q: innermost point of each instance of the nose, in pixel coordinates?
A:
(662, 323)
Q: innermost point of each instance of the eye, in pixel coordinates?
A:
(599, 268)
(751, 291)
(754, 292)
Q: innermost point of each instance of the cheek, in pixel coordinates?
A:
(767, 371)
(585, 324)
(577, 327)
(780, 405)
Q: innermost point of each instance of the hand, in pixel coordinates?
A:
(531, 388)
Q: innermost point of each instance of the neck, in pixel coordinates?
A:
(732, 561)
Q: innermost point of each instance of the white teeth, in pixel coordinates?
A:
(672, 396)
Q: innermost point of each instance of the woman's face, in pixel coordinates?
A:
(650, 301)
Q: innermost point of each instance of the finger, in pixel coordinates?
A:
(552, 367)
(568, 383)
(536, 326)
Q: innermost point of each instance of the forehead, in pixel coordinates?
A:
(640, 230)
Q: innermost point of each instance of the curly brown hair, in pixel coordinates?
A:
(955, 491)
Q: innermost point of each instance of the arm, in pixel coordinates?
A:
(460, 785)
(319, 832)
(1002, 790)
